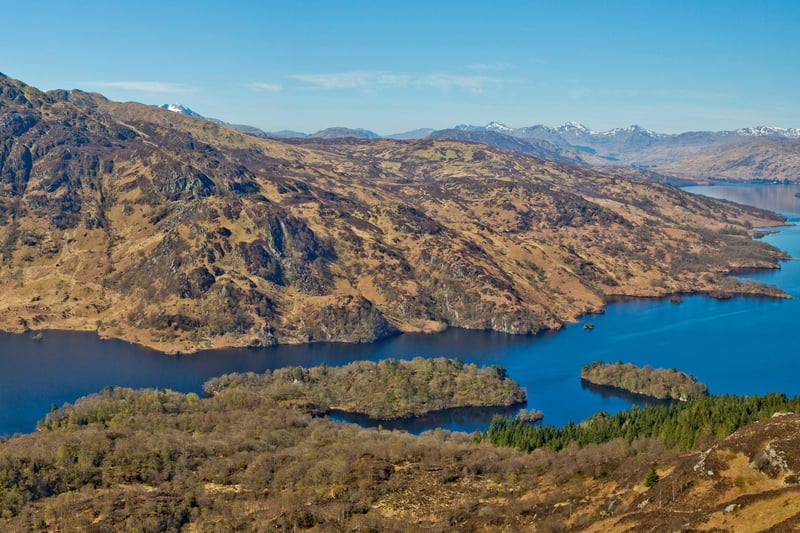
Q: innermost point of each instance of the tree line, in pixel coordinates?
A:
(681, 425)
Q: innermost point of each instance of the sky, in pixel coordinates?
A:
(394, 66)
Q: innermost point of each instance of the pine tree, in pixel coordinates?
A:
(651, 478)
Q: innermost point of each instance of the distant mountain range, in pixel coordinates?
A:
(344, 133)
(759, 152)
(419, 133)
(569, 134)
(328, 133)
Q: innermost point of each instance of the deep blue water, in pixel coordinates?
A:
(741, 346)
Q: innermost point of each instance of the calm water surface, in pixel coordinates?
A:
(742, 346)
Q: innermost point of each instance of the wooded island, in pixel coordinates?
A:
(659, 383)
(391, 388)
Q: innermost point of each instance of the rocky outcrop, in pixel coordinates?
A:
(352, 317)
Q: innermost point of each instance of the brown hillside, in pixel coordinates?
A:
(181, 234)
(747, 482)
(761, 158)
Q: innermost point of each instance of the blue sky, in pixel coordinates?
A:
(394, 66)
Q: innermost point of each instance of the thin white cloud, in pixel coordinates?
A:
(376, 79)
(145, 86)
(263, 86)
(491, 66)
(450, 81)
(354, 79)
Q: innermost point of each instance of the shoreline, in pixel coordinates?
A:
(625, 394)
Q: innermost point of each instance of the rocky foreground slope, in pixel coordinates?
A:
(181, 234)
(252, 457)
(746, 482)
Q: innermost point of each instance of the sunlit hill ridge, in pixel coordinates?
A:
(182, 234)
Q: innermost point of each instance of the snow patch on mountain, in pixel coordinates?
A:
(765, 131)
(180, 108)
(497, 126)
(635, 129)
(575, 128)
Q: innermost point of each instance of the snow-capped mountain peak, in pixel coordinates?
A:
(631, 129)
(180, 108)
(574, 127)
(764, 131)
(497, 126)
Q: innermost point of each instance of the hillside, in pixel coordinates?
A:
(534, 147)
(181, 234)
(746, 482)
(757, 159)
(254, 458)
(747, 154)
(758, 153)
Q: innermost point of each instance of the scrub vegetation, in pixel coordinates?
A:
(255, 456)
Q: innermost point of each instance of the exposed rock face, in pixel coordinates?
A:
(181, 234)
(352, 317)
